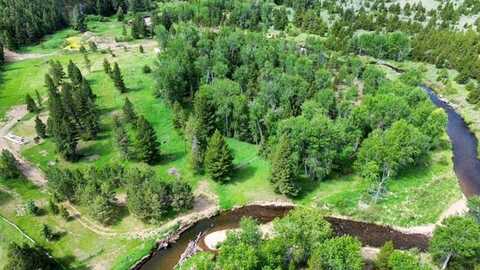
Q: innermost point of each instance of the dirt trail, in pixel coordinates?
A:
(204, 204)
(11, 56)
(29, 171)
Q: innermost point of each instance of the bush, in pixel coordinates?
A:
(32, 208)
(147, 69)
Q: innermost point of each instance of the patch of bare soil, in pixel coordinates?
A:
(11, 56)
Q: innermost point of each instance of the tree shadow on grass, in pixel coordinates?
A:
(307, 186)
(68, 261)
(5, 198)
(242, 174)
(171, 157)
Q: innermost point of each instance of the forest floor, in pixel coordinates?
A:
(417, 197)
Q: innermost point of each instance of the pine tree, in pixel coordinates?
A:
(79, 19)
(39, 99)
(147, 146)
(2, 55)
(66, 138)
(106, 67)
(74, 74)
(117, 79)
(123, 141)
(198, 145)
(179, 117)
(40, 128)
(88, 63)
(53, 207)
(283, 170)
(120, 14)
(69, 105)
(31, 105)
(218, 158)
(56, 72)
(47, 232)
(140, 49)
(8, 165)
(129, 112)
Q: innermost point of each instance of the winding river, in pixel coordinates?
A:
(467, 169)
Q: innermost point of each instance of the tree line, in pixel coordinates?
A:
(24, 22)
(148, 198)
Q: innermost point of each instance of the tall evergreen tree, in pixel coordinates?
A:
(8, 165)
(147, 145)
(218, 158)
(129, 112)
(118, 79)
(120, 14)
(57, 73)
(198, 144)
(2, 55)
(40, 128)
(78, 19)
(123, 141)
(31, 105)
(74, 74)
(39, 99)
(283, 174)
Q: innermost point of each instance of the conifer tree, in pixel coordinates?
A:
(56, 72)
(129, 112)
(283, 174)
(123, 141)
(140, 49)
(147, 146)
(117, 79)
(2, 55)
(74, 74)
(69, 105)
(106, 67)
(120, 14)
(31, 105)
(66, 138)
(79, 19)
(198, 145)
(179, 117)
(218, 158)
(8, 165)
(40, 128)
(88, 63)
(39, 99)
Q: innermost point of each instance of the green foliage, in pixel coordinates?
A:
(118, 79)
(102, 209)
(146, 144)
(474, 207)
(31, 105)
(302, 230)
(337, 253)
(31, 208)
(106, 67)
(283, 172)
(151, 200)
(457, 237)
(129, 112)
(400, 260)
(53, 207)
(218, 158)
(199, 261)
(383, 257)
(48, 233)
(9, 165)
(395, 46)
(25, 257)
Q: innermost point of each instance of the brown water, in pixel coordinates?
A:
(368, 233)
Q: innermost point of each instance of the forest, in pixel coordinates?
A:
(137, 118)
